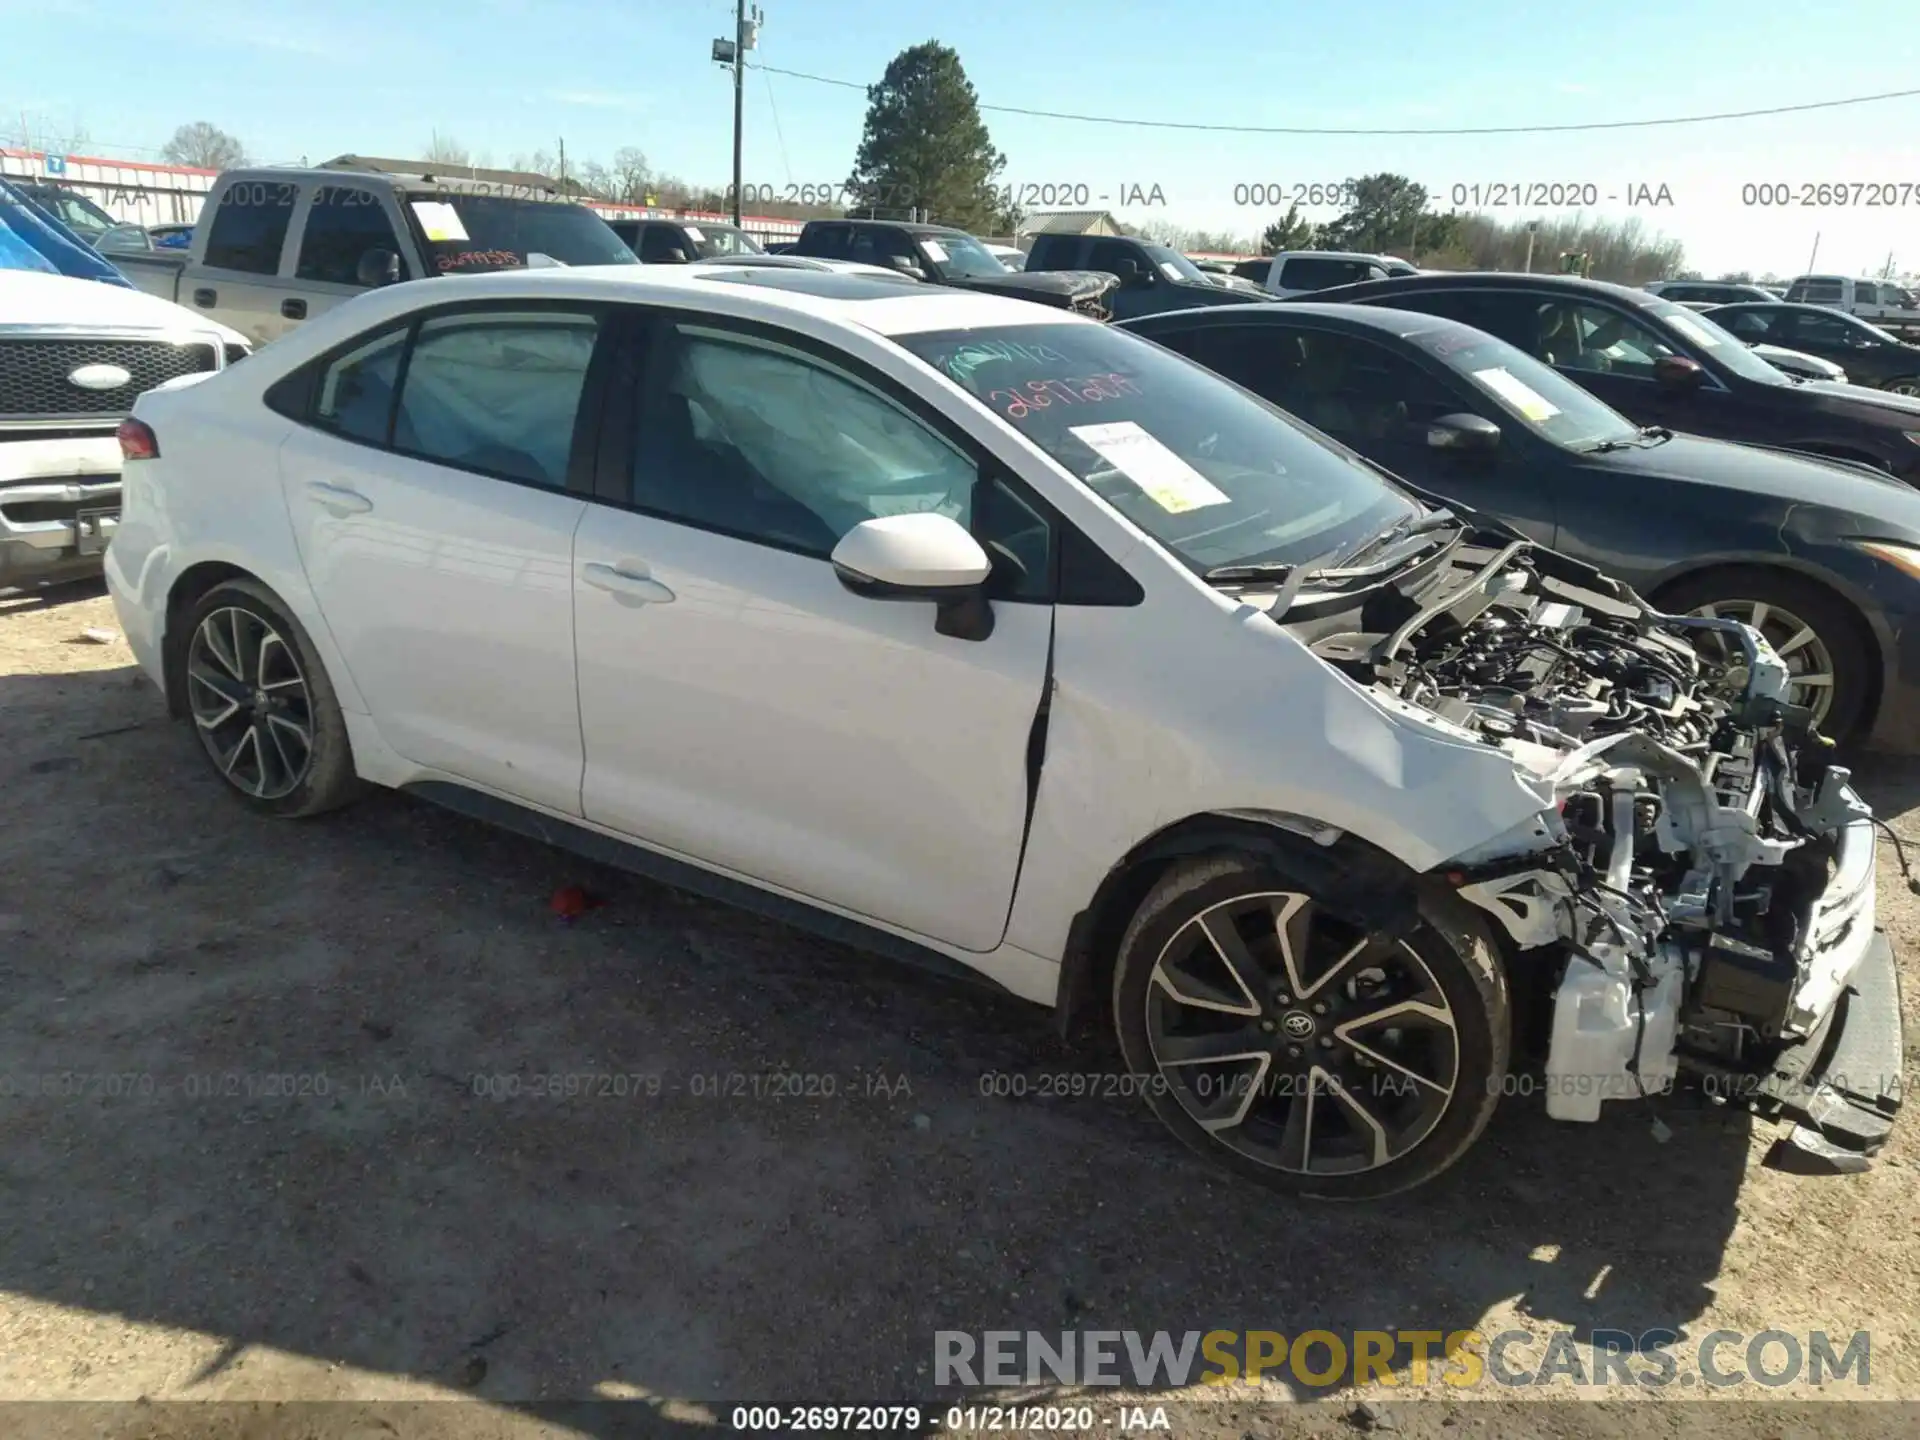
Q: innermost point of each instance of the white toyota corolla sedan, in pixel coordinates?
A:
(989, 636)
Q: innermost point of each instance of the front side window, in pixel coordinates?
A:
(1216, 475)
(496, 391)
(664, 245)
(344, 223)
(751, 438)
(712, 241)
(1748, 325)
(1579, 336)
(250, 226)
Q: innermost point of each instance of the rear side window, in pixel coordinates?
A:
(664, 245)
(344, 223)
(497, 392)
(250, 226)
(830, 241)
(1254, 270)
(1816, 292)
(356, 390)
(1052, 250)
(1322, 274)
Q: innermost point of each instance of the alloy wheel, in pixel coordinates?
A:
(1300, 1039)
(1904, 387)
(250, 703)
(1807, 657)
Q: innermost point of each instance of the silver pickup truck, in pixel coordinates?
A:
(275, 247)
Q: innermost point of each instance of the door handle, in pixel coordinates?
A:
(338, 500)
(294, 309)
(203, 298)
(618, 582)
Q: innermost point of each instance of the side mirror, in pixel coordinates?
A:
(1677, 372)
(920, 557)
(1463, 432)
(378, 267)
(905, 265)
(1131, 276)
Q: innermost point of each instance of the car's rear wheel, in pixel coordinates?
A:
(1905, 385)
(1299, 1043)
(1817, 635)
(262, 706)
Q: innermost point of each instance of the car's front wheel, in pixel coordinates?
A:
(1301, 1043)
(1821, 639)
(1905, 385)
(261, 704)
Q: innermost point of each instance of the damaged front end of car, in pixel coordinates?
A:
(1701, 878)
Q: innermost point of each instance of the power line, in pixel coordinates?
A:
(1455, 130)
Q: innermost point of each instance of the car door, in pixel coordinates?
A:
(238, 279)
(1379, 402)
(428, 490)
(340, 227)
(739, 705)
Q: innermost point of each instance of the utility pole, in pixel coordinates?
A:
(563, 167)
(1816, 252)
(1532, 225)
(746, 36)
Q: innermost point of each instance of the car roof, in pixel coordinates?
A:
(1571, 285)
(912, 227)
(881, 306)
(1380, 319)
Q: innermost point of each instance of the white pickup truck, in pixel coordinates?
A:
(1879, 301)
(74, 355)
(275, 247)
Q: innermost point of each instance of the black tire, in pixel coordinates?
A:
(1447, 954)
(1902, 385)
(324, 778)
(1840, 628)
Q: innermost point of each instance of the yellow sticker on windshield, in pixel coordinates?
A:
(1172, 484)
(1517, 393)
(439, 219)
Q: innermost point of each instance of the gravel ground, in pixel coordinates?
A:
(272, 1176)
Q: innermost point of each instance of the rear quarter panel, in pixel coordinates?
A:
(214, 497)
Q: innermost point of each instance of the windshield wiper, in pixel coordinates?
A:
(1648, 435)
(1401, 530)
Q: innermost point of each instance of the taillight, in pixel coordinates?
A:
(137, 440)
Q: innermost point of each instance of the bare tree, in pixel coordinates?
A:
(631, 175)
(447, 151)
(597, 181)
(205, 146)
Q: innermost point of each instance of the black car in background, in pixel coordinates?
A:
(1822, 556)
(680, 242)
(1152, 277)
(1869, 355)
(1659, 363)
(942, 255)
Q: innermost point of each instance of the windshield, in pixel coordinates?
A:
(961, 255)
(1174, 265)
(470, 234)
(714, 240)
(1211, 472)
(1534, 393)
(1704, 334)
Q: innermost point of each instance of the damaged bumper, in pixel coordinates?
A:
(59, 504)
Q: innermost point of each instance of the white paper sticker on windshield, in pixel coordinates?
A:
(439, 219)
(1171, 270)
(693, 234)
(1172, 484)
(935, 251)
(1523, 397)
(1693, 330)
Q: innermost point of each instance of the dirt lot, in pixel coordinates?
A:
(378, 1224)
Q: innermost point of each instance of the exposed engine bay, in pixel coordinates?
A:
(1700, 872)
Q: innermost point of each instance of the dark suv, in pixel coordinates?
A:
(1153, 278)
(944, 256)
(1659, 363)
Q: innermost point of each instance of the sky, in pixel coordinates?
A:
(514, 76)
